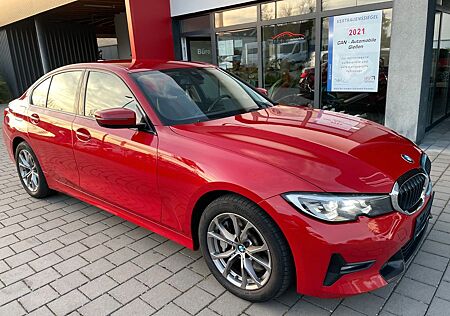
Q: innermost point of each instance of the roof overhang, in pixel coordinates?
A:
(13, 10)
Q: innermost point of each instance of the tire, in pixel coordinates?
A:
(255, 229)
(35, 184)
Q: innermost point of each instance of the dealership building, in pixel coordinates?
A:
(386, 61)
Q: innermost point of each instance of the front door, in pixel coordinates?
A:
(117, 166)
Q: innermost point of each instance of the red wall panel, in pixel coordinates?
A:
(150, 27)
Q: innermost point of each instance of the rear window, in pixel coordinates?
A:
(63, 91)
(39, 96)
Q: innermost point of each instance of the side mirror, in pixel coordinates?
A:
(262, 91)
(116, 118)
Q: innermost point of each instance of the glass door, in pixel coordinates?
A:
(199, 49)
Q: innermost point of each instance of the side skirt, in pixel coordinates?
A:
(126, 215)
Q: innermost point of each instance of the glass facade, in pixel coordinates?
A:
(288, 50)
(236, 16)
(237, 52)
(339, 4)
(369, 105)
(282, 46)
(286, 8)
(439, 96)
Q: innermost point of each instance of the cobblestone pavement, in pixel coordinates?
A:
(61, 256)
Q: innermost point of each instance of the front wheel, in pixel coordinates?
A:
(244, 249)
(30, 172)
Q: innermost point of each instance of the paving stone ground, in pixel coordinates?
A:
(61, 256)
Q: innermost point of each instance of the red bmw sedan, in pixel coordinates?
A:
(271, 194)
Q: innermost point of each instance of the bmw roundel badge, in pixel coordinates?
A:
(407, 158)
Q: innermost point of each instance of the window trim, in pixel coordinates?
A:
(51, 76)
(83, 93)
(30, 101)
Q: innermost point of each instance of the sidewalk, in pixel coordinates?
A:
(61, 256)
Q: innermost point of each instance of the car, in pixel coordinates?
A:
(271, 194)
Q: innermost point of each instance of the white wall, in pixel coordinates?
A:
(181, 7)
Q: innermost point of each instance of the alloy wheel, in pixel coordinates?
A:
(239, 251)
(28, 170)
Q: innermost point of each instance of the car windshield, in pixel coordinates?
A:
(189, 95)
(286, 48)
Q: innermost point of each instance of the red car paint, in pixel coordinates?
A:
(161, 180)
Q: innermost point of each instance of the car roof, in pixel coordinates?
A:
(138, 65)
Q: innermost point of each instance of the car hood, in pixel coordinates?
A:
(333, 151)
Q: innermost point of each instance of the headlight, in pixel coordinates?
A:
(425, 163)
(340, 208)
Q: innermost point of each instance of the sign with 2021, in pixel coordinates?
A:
(354, 52)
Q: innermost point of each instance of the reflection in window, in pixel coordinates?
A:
(286, 8)
(195, 24)
(437, 28)
(106, 91)
(444, 3)
(184, 96)
(39, 97)
(288, 51)
(237, 52)
(369, 105)
(442, 72)
(236, 16)
(337, 4)
(63, 91)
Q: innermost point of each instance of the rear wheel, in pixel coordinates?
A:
(30, 172)
(244, 249)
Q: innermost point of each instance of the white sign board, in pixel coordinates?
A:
(354, 52)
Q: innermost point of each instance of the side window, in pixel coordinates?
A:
(107, 91)
(63, 91)
(39, 96)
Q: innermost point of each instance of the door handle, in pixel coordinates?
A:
(34, 119)
(83, 134)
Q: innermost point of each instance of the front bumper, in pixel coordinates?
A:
(383, 244)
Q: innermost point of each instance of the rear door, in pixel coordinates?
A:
(116, 165)
(51, 113)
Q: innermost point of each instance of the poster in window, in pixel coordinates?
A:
(226, 48)
(354, 52)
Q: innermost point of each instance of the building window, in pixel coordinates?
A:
(195, 24)
(368, 105)
(236, 16)
(237, 52)
(286, 8)
(444, 3)
(273, 44)
(338, 4)
(441, 68)
(288, 51)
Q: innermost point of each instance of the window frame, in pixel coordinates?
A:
(83, 93)
(51, 76)
(37, 85)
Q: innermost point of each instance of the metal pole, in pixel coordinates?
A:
(42, 47)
